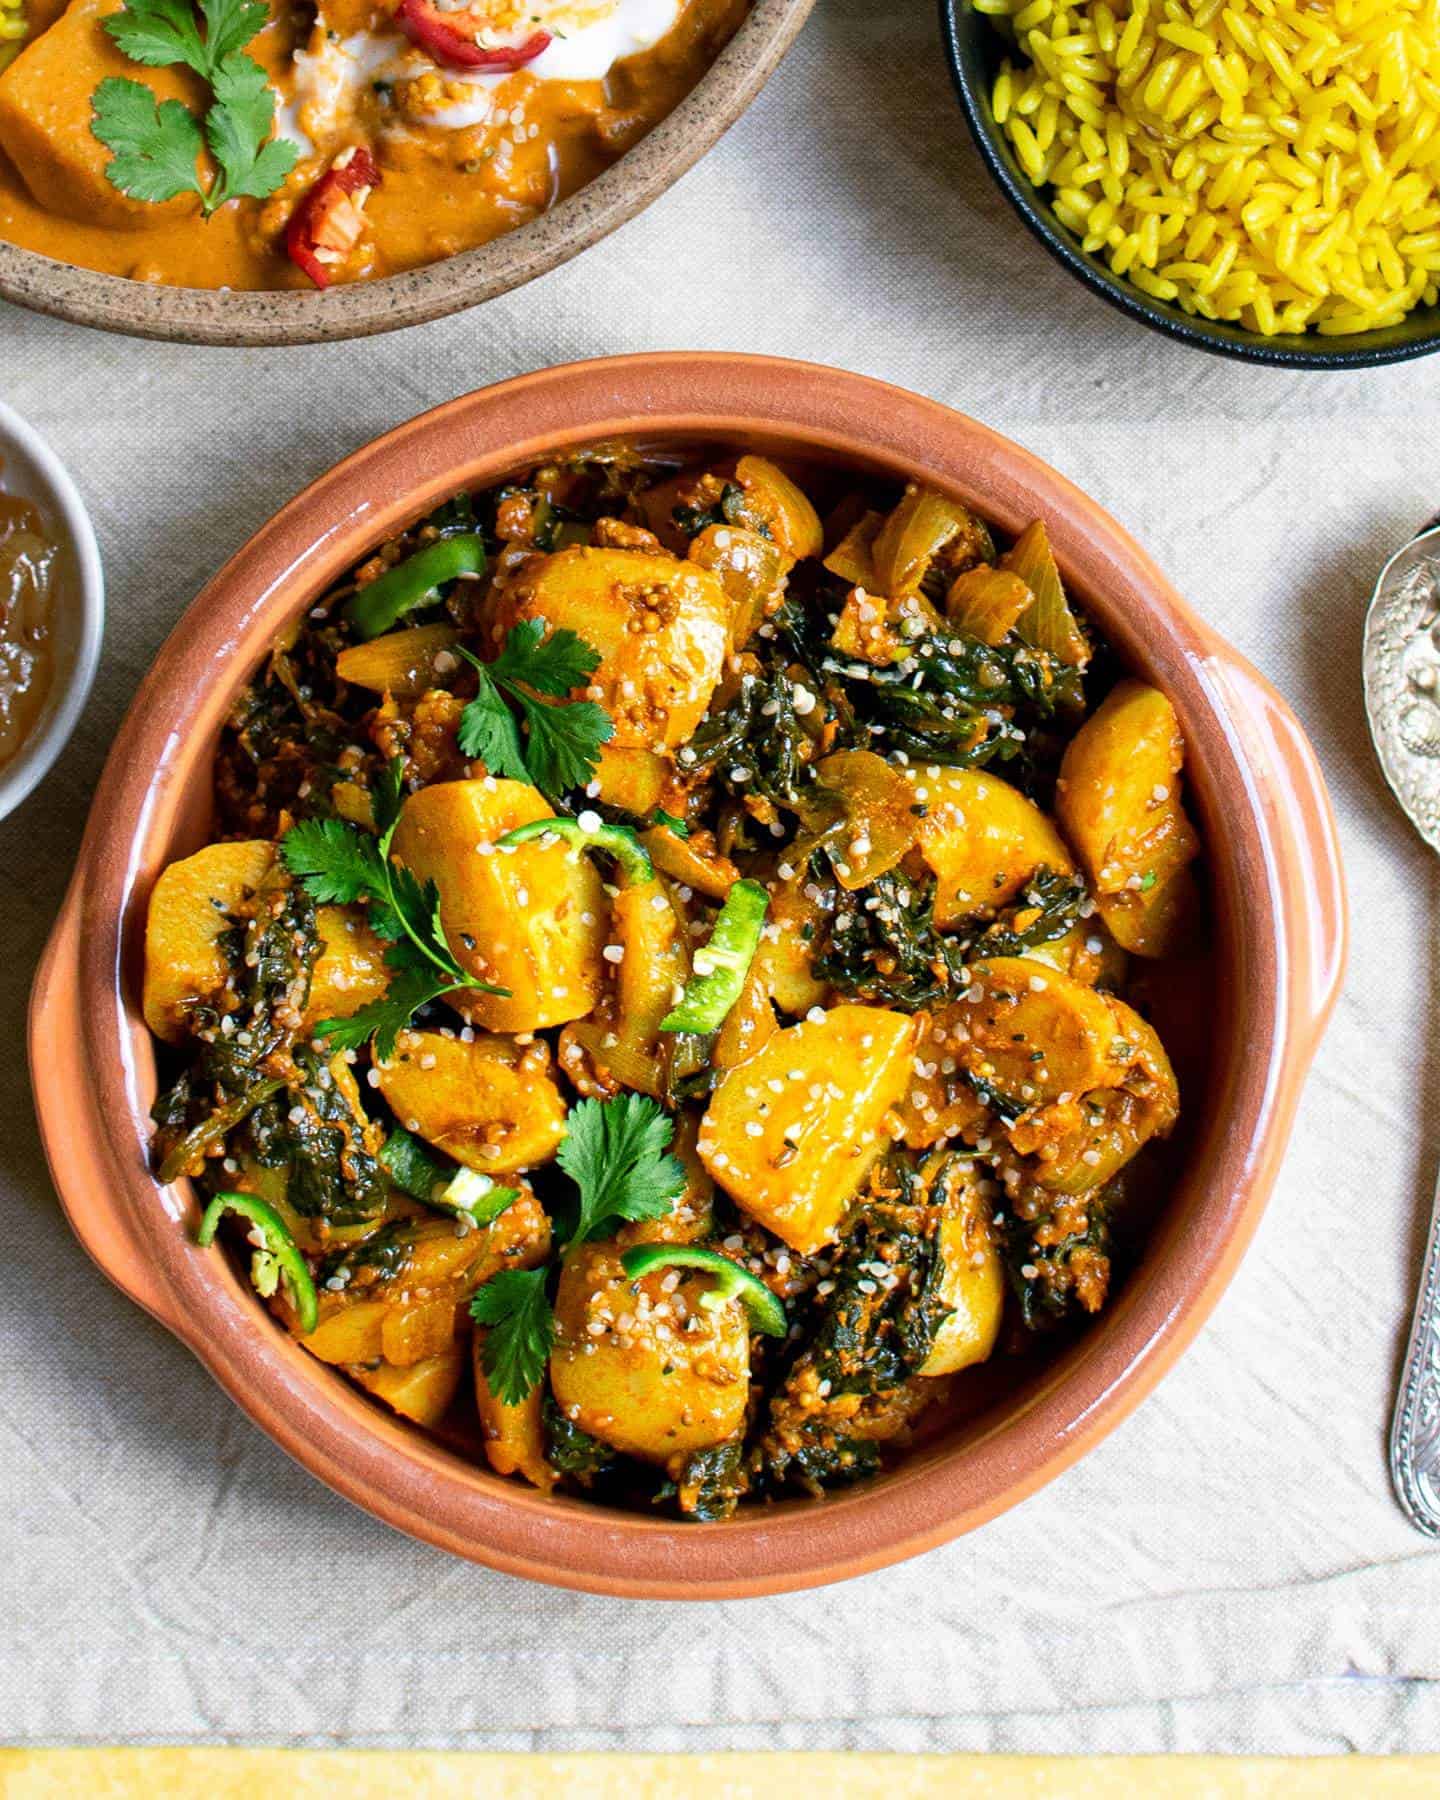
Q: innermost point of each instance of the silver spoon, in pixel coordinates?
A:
(1402, 703)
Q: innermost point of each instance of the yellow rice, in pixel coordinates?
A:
(1266, 162)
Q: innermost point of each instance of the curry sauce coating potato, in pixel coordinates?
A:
(1092, 1075)
(1118, 800)
(530, 919)
(791, 1133)
(661, 626)
(489, 1103)
(982, 839)
(645, 1368)
(404, 1297)
(191, 907)
(193, 904)
(421, 1391)
(45, 119)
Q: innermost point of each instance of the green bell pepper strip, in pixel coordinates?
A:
(386, 600)
(279, 1246)
(722, 965)
(732, 1281)
(618, 841)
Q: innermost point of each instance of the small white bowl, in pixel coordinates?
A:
(31, 469)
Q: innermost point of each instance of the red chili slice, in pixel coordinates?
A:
(453, 38)
(325, 227)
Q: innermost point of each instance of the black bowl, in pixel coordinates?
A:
(976, 48)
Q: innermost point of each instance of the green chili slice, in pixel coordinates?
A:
(722, 965)
(400, 590)
(465, 1193)
(732, 1281)
(590, 832)
(278, 1258)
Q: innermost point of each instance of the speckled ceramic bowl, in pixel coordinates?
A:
(204, 316)
(1279, 940)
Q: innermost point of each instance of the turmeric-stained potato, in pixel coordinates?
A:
(1080, 1141)
(776, 502)
(641, 1364)
(633, 780)
(621, 1044)
(791, 1133)
(972, 1280)
(1118, 801)
(350, 970)
(191, 905)
(661, 626)
(422, 1391)
(514, 1437)
(530, 919)
(413, 1264)
(1033, 1033)
(982, 838)
(489, 1103)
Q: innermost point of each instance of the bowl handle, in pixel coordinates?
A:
(82, 1161)
(1302, 847)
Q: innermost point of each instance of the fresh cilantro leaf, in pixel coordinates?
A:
(229, 26)
(489, 733)
(158, 33)
(236, 128)
(338, 863)
(515, 1309)
(386, 798)
(155, 145)
(615, 1153)
(563, 748)
(384, 1019)
(670, 822)
(550, 665)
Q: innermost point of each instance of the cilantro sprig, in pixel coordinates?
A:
(157, 144)
(561, 749)
(616, 1153)
(339, 864)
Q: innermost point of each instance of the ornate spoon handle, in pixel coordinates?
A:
(1415, 1430)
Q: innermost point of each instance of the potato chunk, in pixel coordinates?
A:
(350, 970)
(791, 1133)
(422, 1391)
(1118, 800)
(531, 920)
(191, 906)
(45, 117)
(661, 626)
(982, 838)
(405, 1287)
(652, 1383)
(490, 1104)
(972, 1281)
(1091, 1075)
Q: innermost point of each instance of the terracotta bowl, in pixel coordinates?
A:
(204, 316)
(1279, 945)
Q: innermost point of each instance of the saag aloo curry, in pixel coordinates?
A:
(279, 143)
(654, 1005)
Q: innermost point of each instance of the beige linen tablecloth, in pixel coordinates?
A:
(1228, 1570)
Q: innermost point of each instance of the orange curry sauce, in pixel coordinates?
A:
(443, 188)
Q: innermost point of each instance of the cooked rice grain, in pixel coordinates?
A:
(1273, 164)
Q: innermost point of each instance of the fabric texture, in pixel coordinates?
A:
(1228, 1571)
